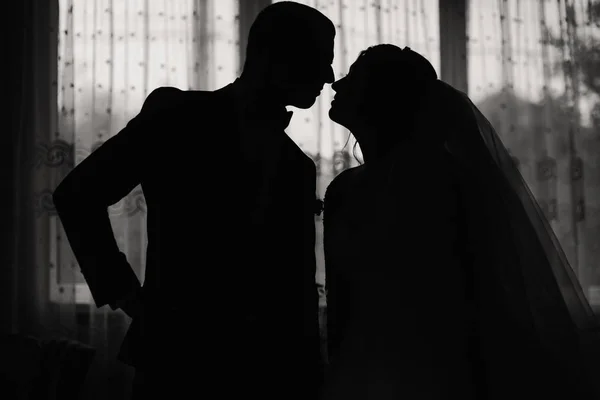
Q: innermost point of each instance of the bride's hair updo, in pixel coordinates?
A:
(398, 85)
(397, 80)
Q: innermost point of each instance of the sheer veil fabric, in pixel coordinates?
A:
(533, 324)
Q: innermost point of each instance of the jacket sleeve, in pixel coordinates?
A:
(101, 180)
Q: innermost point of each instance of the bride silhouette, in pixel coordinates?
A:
(444, 279)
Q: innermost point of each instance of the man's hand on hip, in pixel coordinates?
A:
(132, 304)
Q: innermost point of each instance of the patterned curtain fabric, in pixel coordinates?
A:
(533, 69)
(111, 55)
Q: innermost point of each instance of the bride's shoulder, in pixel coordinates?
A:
(343, 180)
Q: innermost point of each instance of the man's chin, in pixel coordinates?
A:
(304, 104)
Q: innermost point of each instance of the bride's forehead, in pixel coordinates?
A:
(358, 66)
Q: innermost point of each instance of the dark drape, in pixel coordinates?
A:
(453, 43)
(29, 88)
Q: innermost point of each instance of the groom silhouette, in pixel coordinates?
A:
(229, 302)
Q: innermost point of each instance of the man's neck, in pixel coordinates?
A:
(257, 93)
(258, 104)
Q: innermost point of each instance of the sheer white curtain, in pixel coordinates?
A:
(111, 55)
(533, 68)
(359, 24)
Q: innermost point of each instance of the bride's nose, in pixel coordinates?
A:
(336, 85)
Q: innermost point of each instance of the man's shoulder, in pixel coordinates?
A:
(171, 98)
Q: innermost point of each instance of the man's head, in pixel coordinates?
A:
(290, 50)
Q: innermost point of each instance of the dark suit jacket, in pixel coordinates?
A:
(230, 273)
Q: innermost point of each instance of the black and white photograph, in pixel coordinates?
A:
(301, 200)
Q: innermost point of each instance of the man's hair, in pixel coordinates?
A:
(286, 28)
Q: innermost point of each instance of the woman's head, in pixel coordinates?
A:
(381, 92)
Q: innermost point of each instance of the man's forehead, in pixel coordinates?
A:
(312, 41)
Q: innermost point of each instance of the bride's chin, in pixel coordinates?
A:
(333, 113)
(335, 117)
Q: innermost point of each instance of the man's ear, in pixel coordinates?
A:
(270, 67)
(278, 73)
(261, 65)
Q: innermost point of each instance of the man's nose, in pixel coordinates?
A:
(336, 85)
(330, 76)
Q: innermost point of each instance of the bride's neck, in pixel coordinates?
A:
(374, 152)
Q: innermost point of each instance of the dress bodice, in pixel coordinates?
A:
(391, 267)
